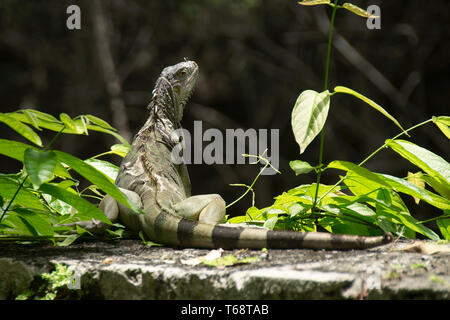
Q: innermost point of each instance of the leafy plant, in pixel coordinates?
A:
(54, 285)
(44, 195)
(362, 202)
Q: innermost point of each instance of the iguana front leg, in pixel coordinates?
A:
(206, 208)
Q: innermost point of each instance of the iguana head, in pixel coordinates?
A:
(180, 80)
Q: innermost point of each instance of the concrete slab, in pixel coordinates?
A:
(127, 269)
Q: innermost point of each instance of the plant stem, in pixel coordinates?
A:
(443, 217)
(322, 135)
(249, 187)
(330, 37)
(400, 134)
(54, 138)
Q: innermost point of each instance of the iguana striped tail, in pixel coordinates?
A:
(173, 230)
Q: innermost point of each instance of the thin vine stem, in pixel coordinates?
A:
(322, 135)
(250, 187)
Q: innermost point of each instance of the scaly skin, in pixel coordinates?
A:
(162, 189)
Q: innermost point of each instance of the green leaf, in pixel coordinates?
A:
(68, 240)
(443, 124)
(357, 10)
(67, 120)
(39, 224)
(49, 122)
(57, 205)
(81, 125)
(24, 198)
(40, 115)
(99, 122)
(115, 134)
(96, 177)
(43, 120)
(20, 225)
(442, 119)
(107, 168)
(300, 167)
(413, 224)
(313, 2)
(411, 189)
(16, 150)
(417, 179)
(83, 206)
(148, 242)
(444, 226)
(298, 209)
(32, 118)
(239, 219)
(369, 102)
(21, 128)
(371, 180)
(344, 223)
(442, 188)
(270, 223)
(120, 149)
(309, 115)
(40, 165)
(426, 160)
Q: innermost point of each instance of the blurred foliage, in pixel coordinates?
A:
(255, 56)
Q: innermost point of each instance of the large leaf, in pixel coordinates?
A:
(309, 115)
(313, 2)
(300, 167)
(362, 181)
(16, 150)
(24, 198)
(443, 123)
(96, 177)
(21, 128)
(20, 225)
(83, 206)
(120, 149)
(444, 225)
(40, 165)
(67, 120)
(39, 224)
(357, 10)
(442, 188)
(370, 102)
(370, 179)
(107, 168)
(429, 162)
(407, 220)
(411, 189)
(99, 122)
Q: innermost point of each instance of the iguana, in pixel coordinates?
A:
(162, 189)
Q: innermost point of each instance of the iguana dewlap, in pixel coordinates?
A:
(162, 189)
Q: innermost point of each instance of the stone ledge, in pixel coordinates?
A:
(128, 269)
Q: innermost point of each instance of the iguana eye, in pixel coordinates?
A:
(182, 72)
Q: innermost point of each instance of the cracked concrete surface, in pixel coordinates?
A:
(127, 269)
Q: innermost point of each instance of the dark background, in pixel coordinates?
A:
(255, 58)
